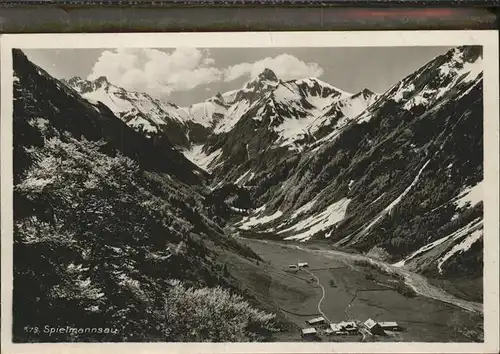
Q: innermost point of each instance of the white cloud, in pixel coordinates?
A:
(285, 66)
(160, 73)
(155, 71)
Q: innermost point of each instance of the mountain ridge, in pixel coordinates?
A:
(397, 124)
(152, 116)
(267, 135)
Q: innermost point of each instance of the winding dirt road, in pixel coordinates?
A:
(322, 296)
(418, 282)
(362, 330)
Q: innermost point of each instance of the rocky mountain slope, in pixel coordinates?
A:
(303, 110)
(402, 180)
(146, 114)
(396, 175)
(114, 230)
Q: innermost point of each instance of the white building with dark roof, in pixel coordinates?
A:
(344, 327)
(373, 326)
(316, 321)
(309, 332)
(390, 326)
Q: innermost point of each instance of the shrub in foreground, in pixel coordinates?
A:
(213, 314)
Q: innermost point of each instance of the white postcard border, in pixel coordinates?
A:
(489, 41)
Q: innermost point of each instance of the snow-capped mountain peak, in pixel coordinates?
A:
(251, 130)
(267, 75)
(262, 83)
(101, 80)
(84, 86)
(365, 93)
(219, 97)
(458, 70)
(315, 87)
(458, 67)
(139, 110)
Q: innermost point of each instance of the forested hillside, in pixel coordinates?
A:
(397, 175)
(112, 230)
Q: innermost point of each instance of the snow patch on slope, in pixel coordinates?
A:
(398, 199)
(403, 89)
(107, 97)
(470, 227)
(303, 209)
(470, 196)
(306, 228)
(345, 109)
(422, 250)
(199, 158)
(147, 111)
(287, 94)
(292, 129)
(229, 96)
(248, 222)
(353, 106)
(232, 116)
(240, 178)
(312, 82)
(139, 122)
(203, 113)
(465, 71)
(461, 247)
(452, 73)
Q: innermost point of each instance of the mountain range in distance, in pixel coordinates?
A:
(179, 192)
(318, 162)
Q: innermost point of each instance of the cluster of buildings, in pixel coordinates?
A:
(299, 265)
(379, 328)
(320, 325)
(343, 328)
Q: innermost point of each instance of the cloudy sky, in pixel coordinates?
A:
(190, 75)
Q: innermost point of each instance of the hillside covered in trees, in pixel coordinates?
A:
(112, 230)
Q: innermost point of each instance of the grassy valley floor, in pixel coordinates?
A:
(348, 293)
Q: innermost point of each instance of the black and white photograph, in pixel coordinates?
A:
(321, 195)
